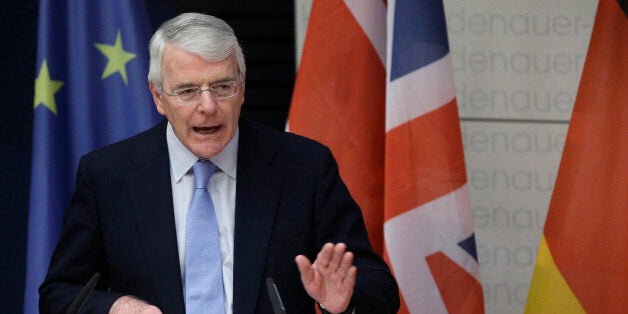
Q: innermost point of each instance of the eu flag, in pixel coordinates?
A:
(91, 89)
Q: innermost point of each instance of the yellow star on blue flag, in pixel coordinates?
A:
(45, 89)
(118, 58)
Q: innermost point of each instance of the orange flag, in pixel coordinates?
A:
(581, 264)
(338, 97)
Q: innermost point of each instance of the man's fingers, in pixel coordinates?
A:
(303, 263)
(346, 263)
(349, 280)
(336, 257)
(324, 256)
(305, 268)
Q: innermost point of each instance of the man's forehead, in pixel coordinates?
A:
(177, 62)
(172, 51)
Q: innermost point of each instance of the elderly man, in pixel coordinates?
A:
(197, 213)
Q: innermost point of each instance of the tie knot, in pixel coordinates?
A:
(203, 169)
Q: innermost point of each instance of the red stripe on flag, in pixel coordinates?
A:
(339, 100)
(424, 160)
(461, 292)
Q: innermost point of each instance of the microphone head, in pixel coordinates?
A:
(82, 296)
(275, 298)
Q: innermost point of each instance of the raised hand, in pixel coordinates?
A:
(331, 279)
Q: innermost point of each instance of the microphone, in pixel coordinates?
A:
(80, 299)
(275, 299)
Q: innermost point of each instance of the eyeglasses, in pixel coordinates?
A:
(219, 91)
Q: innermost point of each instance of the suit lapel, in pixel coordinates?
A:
(150, 191)
(257, 195)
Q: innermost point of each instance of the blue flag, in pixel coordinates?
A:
(91, 90)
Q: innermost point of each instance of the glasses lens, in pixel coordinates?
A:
(223, 89)
(187, 95)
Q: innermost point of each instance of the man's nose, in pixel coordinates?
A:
(207, 101)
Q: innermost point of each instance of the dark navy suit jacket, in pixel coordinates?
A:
(290, 200)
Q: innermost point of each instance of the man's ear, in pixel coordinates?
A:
(157, 98)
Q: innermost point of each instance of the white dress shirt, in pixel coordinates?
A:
(222, 188)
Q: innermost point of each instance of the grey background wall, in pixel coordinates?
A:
(266, 33)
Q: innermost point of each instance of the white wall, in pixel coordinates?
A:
(517, 65)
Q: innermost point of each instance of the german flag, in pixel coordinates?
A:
(581, 264)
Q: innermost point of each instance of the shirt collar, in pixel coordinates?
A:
(182, 159)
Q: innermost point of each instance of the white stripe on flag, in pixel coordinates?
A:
(371, 15)
(410, 237)
(419, 92)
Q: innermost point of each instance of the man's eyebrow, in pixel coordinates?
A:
(188, 85)
(222, 80)
(184, 85)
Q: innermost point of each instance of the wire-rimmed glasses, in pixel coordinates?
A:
(191, 95)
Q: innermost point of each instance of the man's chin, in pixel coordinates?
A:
(207, 152)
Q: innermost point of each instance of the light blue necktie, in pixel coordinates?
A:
(203, 264)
